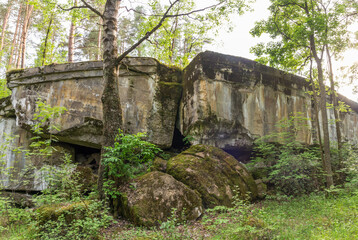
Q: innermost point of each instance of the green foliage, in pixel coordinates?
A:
(181, 38)
(4, 91)
(45, 118)
(291, 25)
(74, 221)
(292, 168)
(350, 167)
(130, 156)
(64, 212)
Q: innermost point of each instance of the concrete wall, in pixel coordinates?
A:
(229, 101)
(222, 100)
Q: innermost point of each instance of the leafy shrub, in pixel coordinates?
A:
(350, 167)
(79, 220)
(130, 156)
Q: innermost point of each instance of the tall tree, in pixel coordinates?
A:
(14, 39)
(71, 37)
(4, 24)
(304, 30)
(25, 28)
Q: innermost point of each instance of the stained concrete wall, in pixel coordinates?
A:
(230, 101)
(150, 93)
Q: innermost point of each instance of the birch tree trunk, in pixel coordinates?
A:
(99, 40)
(112, 112)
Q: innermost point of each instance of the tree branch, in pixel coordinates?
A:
(71, 8)
(92, 8)
(146, 36)
(86, 5)
(163, 17)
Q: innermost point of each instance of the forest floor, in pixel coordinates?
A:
(306, 217)
(316, 216)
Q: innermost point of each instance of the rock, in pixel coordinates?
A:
(150, 199)
(70, 211)
(261, 188)
(159, 164)
(85, 178)
(19, 200)
(213, 173)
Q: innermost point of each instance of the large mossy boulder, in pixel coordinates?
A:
(214, 174)
(151, 198)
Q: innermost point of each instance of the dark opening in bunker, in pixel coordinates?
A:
(180, 142)
(86, 156)
(241, 154)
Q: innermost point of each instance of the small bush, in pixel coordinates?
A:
(290, 167)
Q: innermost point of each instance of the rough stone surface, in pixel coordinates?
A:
(84, 175)
(159, 164)
(215, 174)
(261, 188)
(229, 101)
(19, 200)
(149, 200)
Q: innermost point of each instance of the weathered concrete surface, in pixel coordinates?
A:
(77, 87)
(19, 170)
(150, 95)
(149, 92)
(228, 101)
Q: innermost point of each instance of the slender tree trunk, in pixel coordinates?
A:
(316, 103)
(29, 9)
(4, 25)
(112, 112)
(99, 40)
(335, 107)
(71, 39)
(46, 39)
(326, 141)
(20, 36)
(14, 39)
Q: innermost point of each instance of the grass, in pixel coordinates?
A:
(314, 217)
(307, 217)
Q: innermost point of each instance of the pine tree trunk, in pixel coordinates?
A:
(29, 9)
(112, 112)
(71, 39)
(4, 25)
(14, 39)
